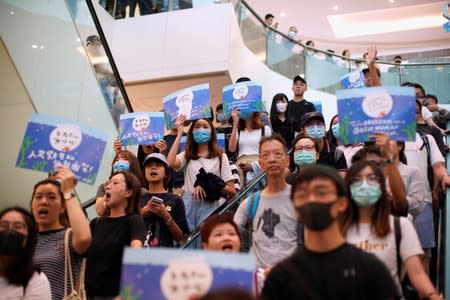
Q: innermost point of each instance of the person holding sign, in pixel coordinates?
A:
(369, 226)
(53, 200)
(202, 154)
(244, 140)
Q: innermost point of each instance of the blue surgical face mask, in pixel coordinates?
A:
(315, 132)
(292, 34)
(335, 130)
(201, 136)
(304, 158)
(365, 194)
(121, 165)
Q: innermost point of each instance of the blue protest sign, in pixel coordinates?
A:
(174, 274)
(141, 128)
(49, 142)
(220, 142)
(353, 80)
(365, 111)
(193, 102)
(245, 96)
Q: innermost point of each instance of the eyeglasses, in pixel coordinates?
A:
(16, 226)
(305, 148)
(371, 178)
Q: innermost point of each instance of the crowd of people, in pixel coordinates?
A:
(331, 221)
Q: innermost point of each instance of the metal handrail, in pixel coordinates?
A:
(227, 206)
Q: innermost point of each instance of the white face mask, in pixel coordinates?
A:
(292, 34)
(281, 107)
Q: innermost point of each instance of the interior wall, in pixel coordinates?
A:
(15, 110)
(148, 95)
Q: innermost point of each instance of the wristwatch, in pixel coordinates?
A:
(69, 195)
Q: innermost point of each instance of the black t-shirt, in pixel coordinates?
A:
(329, 156)
(176, 178)
(158, 234)
(285, 129)
(104, 257)
(296, 110)
(344, 273)
(227, 132)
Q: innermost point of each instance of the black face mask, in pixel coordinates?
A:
(11, 242)
(316, 216)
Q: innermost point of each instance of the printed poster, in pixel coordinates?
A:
(141, 128)
(220, 142)
(353, 80)
(176, 274)
(50, 141)
(365, 111)
(193, 102)
(245, 96)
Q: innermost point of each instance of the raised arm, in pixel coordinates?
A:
(370, 60)
(172, 159)
(81, 233)
(232, 143)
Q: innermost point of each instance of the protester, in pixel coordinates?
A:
(220, 233)
(273, 227)
(369, 226)
(298, 106)
(278, 118)
(245, 136)
(201, 153)
(110, 234)
(19, 278)
(164, 215)
(54, 208)
(305, 152)
(326, 267)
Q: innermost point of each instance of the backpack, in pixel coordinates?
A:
(430, 174)
(252, 206)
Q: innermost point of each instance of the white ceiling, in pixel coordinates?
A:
(384, 22)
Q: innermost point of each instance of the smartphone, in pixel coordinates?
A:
(157, 199)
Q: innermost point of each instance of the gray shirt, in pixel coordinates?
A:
(274, 227)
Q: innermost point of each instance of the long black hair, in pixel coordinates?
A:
(21, 271)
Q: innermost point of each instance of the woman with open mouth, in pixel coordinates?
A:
(110, 234)
(220, 233)
(55, 208)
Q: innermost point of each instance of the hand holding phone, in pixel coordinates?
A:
(157, 200)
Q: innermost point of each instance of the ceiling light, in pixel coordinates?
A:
(42, 46)
(282, 14)
(78, 40)
(391, 1)
(336, 7)
(34, 46)
(11, 13)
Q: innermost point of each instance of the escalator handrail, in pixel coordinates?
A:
(227, 206)
(109, 55)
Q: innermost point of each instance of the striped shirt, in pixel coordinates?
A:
(49, 257)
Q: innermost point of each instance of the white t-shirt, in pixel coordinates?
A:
(426, 114)
(249, 141)
(211, 165)
(38, 288)
(349, 151)
(384, 248)
(417, 157)
(416, 186)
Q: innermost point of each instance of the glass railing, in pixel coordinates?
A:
(323, 70)
(120, 9)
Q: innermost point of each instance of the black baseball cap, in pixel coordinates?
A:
(317, 115)
(297, 78)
